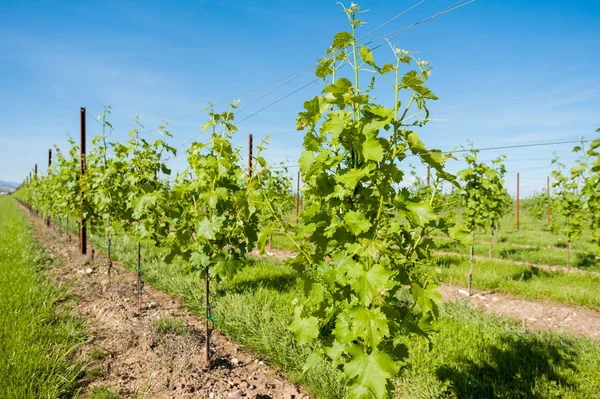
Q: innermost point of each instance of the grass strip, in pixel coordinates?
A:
(38, 335)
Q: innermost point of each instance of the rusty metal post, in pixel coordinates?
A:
(49, 171)
(517, 202)
(35, 175)
(82, 228)
(250, 155)
(298, 199)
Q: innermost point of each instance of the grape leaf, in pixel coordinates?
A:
(305, 329)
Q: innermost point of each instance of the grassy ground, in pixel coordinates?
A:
(475, 355)
(38, 337)
(527, 282)
(523, 281)
(540, 255)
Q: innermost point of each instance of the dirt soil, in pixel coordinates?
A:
(544, 315)
(129, 358)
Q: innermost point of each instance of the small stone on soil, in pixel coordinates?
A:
(235, 394)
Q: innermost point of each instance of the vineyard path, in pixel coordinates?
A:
(130, 358)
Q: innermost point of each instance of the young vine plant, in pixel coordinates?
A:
(568, 201)
(591, 191)
(484, 199)
(362, 234)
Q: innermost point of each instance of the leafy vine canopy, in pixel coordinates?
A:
(362, 232)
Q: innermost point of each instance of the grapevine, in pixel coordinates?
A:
(484, 199)
(362, 234)
(568, 202)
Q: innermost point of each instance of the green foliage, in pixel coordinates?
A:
(483, 195)
(591, 190)
(568, 204)
(106, 180)
(212, 213)
(362, 234)
(538, 206)
(145, 193)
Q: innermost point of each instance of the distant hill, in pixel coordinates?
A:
(9, 184)
(6, 189)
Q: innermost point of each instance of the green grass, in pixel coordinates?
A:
(167, 325)
(523, 281)
(543, 239)
(535, 255)
(102, 393)
(534, 232)
(475, 355)
(38, 337)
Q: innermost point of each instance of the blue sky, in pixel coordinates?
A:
(506, 71)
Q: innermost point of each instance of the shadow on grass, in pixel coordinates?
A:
(511, 369)
(280, 283)
(535, 272)
(586, 261)
(258, 274)
(528, 274)
(507, 253)
(449, 261)
(448, 246)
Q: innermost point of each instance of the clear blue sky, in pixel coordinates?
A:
(145, 58)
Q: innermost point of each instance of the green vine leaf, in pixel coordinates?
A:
(305, 329)
(370, 373)
(370, 284)
(372, 150)
(356, 222)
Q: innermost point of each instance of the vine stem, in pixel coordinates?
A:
(394, 139)
(282, 225)
(470, 275)
(109, 244)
